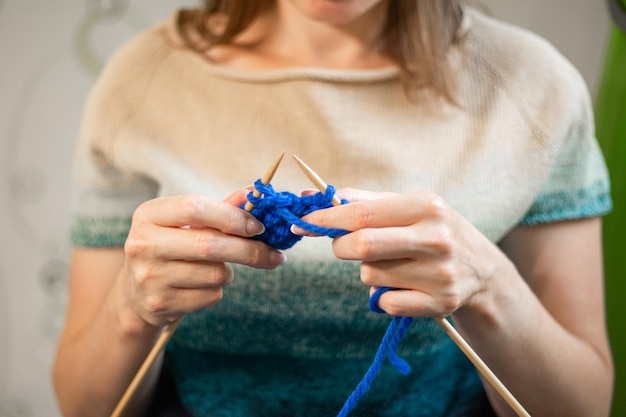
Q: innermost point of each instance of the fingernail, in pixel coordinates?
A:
(295, 230)
(277, 258)
(255, 227)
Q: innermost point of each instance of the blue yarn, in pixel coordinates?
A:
(278, 211)
(388, 346)
(400, 364)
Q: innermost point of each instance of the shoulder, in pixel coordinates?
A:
(524, 70)
(125, 81)
(136, 61)
(514, 51)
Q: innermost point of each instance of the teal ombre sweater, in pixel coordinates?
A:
(162, 120)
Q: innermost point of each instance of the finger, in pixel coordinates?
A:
(239, 197)
(182, 275)
(401, 273)
(412, 242)
(172, 303)
(206, 245)
(309, 191)
(191, 300)
(401, 210)
(410, 303)
(354, 195)
(198, 210)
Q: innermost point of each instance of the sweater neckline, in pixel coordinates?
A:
(390, 73)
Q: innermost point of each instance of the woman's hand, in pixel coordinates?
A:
(178, 250)
(413, 242)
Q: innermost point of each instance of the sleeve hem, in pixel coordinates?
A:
(598, 206)
(99, 232)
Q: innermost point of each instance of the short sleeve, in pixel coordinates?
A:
(105, 192)
(578, 184)
(104, 199)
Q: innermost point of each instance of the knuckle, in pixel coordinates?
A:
(191, 205)
(439, 239)
(138, 241)
(142, 275)
(139, 211)
(434, 206)
(363, 244)
(447, 273)
(156, 304)
(205, 245)
(134, 247)
(444, 242)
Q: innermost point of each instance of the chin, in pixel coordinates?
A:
(336, 11)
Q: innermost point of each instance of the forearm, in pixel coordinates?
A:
(95, 364)
(547, 368)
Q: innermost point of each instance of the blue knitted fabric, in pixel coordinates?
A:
(278, 211)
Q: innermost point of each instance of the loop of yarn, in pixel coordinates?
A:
(278, 211)
(376, 296)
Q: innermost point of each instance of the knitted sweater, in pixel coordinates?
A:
(519, 148)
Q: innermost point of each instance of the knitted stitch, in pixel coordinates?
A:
(279, 210)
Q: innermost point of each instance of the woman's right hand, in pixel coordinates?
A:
(178, 250)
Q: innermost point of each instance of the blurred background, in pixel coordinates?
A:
(50, 55)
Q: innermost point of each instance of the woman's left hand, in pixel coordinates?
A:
(415, 243)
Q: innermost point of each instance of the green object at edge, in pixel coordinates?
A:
(610, 110)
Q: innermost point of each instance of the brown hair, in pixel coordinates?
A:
(417, 35)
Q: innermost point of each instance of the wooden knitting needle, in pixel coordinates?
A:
(145, 367)
(444, 323)
(171, 328)
(315, 179)
(265, 179)
(482, 367)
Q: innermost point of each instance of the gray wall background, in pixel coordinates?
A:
(50, 54)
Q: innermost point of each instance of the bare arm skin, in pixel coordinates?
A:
(536, 317)
(562, 264)
(175, 261)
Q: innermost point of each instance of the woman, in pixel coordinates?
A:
(476, 141)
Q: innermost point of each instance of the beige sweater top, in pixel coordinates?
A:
(163, 120)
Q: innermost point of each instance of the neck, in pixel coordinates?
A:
(290, 37)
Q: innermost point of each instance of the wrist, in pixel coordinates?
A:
(501, 285)
(130, 324)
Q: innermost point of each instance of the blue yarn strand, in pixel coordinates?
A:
(372, 372)
(278, 211)
(400, 364)
(392, 356)
(395, 331)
